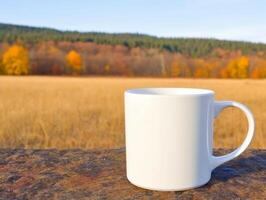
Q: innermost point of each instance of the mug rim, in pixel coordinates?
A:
(170, 91)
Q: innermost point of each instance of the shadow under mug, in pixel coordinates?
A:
(169, 137)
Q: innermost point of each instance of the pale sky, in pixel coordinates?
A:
(222, 19)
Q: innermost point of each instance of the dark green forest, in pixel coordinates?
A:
(192, 47)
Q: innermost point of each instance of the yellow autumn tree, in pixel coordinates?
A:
(15, 60)
(243, 67)
(74, 62)
(237, 68)
(107, 69)
(231, 69)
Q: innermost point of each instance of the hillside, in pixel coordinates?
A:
(193, 47)
(44, 51)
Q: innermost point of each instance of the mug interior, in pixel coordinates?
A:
(170, 91)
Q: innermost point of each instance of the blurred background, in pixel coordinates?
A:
(65, 65)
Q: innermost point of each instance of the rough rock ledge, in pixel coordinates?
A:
(100, 174)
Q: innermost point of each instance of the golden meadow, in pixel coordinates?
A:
(72, 112)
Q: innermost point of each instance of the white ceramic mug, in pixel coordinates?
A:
(169, 137)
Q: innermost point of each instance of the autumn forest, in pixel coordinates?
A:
(41, 51)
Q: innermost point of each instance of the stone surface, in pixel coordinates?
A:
(100, 174)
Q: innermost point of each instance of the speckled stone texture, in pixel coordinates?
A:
(100, 174)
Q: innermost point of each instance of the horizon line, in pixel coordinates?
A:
(132, 33)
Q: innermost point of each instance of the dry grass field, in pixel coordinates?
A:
(62, 112)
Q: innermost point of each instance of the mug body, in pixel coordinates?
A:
(168, 137)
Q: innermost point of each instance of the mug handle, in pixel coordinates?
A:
(220, 105)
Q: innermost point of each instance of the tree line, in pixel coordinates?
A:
(38, 51)
(79, 58)
(193, 47)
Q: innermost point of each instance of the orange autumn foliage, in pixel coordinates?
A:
(260, 69)
(74, 62)
(202, 69)
(175, 69)
(236, 68)
(61, 58)
(15, 60)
